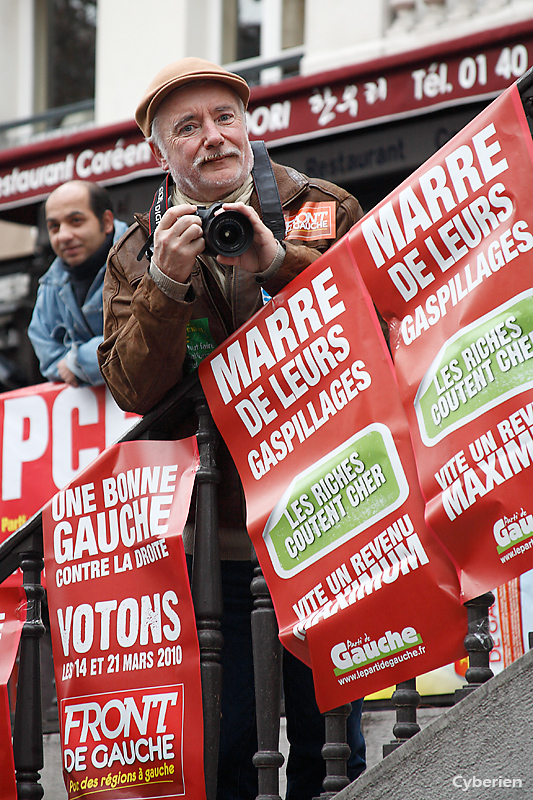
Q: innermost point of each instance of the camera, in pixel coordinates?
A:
(228, 233)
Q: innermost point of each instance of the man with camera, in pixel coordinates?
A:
(174, 291)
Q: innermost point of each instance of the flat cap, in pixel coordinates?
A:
(178, 74)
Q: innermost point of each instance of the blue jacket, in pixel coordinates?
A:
(59, 328)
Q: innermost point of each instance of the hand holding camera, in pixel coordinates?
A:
(234, 235)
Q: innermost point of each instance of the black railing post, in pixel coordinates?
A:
(406, 700)
(336, 751)
(478, 644)
(28, 728)
(207, 589)
(267, 654)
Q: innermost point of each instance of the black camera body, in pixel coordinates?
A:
(228, 233)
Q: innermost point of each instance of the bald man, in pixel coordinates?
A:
(67, 321)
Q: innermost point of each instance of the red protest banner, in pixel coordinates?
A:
(48, 433)
(447, 259)
(124, 639)
(305, 398)
(12, 616)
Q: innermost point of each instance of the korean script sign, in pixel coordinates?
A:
(305, 397)
(447, 258)
(123, 631)
(48, 433)
(12, 616)
(392, 87)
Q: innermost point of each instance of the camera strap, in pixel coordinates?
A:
(159, 205)
(265, 186)
(267, 191)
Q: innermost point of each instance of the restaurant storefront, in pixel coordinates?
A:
(365, 127)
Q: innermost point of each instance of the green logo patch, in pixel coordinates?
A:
(347, 656)
(509, 531)
(482, 365)
(345, 492)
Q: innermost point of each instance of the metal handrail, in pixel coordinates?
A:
(249, 67)
(52, 115)
(24, 549)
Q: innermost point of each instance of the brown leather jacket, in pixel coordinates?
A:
(145, 332)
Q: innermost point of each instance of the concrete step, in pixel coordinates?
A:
(480, 748)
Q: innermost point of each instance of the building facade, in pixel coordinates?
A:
(358, 93)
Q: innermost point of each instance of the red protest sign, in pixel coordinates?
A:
(123, 630)
(12, 616)
(447, 259)
(305, 398)
(48, 433)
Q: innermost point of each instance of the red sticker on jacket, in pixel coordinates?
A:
(313, 221)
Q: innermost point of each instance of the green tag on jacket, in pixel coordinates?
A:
(200, 343)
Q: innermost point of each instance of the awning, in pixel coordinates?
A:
(471, 69)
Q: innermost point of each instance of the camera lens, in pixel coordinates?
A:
(229, 233)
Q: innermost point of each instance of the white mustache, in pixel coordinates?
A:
(201, 160)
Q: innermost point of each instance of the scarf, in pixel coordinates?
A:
(82, 276)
